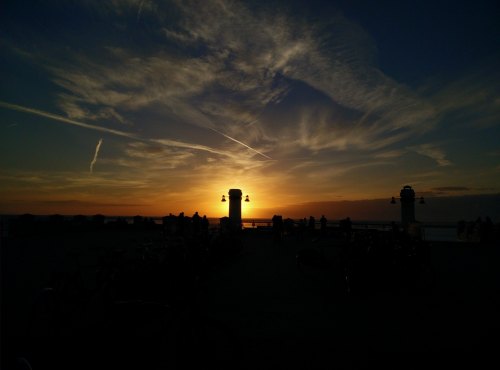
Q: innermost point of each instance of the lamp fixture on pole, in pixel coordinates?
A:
(407, 199)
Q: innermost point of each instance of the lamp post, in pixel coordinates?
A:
(407, 199)
(235, 207)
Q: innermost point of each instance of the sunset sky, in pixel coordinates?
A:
(156, 106)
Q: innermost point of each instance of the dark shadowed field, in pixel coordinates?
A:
(254, 308)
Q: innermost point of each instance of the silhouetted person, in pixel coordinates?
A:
(277, 228)
(288, 225)
(180, 224)
(346, 227)
(56, 221)
(169, 224)
(196, 223)
(312, 224)
(204, 225)
(301, 229)
(478, 224)
(138, 222)
(323, 222)
(461, 228)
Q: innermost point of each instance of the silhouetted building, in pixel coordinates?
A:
(407, 198)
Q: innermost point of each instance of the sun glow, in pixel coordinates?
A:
(222, 209)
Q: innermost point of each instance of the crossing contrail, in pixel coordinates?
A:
(97, 148)
(129, 135)
(239, 142)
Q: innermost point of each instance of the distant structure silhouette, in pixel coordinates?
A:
(323, 222)
(204, 226)
(278, 228)
(235, 196)
(196, 219)
(407, 199)
(312, 224)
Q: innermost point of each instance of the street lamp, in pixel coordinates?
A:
(407, 199)
(235, 196)
(393, 200)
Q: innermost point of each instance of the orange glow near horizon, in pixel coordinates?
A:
(222, 208)
(264, 202)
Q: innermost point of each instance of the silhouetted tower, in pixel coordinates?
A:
(235, 207)
(407, 198)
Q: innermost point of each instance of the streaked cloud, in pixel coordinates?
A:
(128, 135)
(94, 160)
(472, 99)
(59, 118)
(451, 188)
(250, 61)
(432, 151)
(193, 97)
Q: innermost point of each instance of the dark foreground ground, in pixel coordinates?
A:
(253, 308)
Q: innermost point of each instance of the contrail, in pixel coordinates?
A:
(164, 142)
(56, 117)
(252, 122)
(239, 142)
(95, 155)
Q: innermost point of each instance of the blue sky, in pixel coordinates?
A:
(151, 107)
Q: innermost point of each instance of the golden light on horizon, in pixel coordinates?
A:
(222, 208)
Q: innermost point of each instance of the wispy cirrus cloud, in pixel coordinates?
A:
(221, 91)
(451, 188)
(432, 151)
(128, 135)
(473, 98)
(59, 118)
(249, 62)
